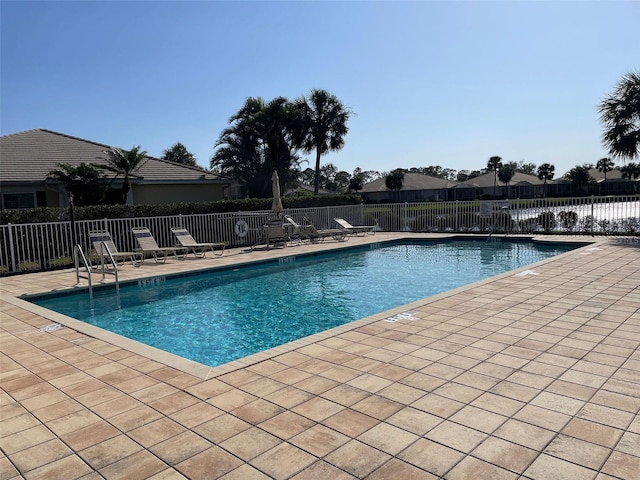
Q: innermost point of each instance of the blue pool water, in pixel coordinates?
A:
(223, 315)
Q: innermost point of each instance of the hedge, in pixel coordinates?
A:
(94, 212)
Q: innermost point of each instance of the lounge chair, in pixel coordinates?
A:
(103, 245)
(149, 246)
(311, 233)
(274, 233)
(355, 230)
(185, 240)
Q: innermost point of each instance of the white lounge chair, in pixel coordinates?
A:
(355, 230)
(311, 233)
(103, 245)
(149, 246)
(274, 233)
(185, 240)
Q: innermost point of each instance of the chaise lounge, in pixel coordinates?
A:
(355, 230)
(103, 246)
(185, 240)
(311, 233)
(274, 233)
(149, 246)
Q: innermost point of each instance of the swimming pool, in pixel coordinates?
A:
(229, 313)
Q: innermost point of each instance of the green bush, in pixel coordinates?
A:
(94, 212)
(568, 219)
(61, 262)
(588, 223)
(547, 220)
(28, 266)
(605, 226)
(528, 225)
(631, 225)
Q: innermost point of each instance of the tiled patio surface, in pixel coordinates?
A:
(532, 376)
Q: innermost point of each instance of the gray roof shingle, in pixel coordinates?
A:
(411, 181)
(29, 156)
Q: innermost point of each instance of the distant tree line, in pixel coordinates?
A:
(267, 136)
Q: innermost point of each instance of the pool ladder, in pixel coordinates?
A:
(79, 256)
(490, 238)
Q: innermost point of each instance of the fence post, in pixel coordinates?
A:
(457, 217)
(11, 249)
(593, 219)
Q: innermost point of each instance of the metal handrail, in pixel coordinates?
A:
(77, 255)
(104, 248)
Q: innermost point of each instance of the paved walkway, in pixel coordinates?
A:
(533, 375)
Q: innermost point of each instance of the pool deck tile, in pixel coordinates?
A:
(532, 374)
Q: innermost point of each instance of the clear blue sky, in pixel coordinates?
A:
(447, 83)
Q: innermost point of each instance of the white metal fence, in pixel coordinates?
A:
(37, 246)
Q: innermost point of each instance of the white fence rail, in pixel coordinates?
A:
(38, 246)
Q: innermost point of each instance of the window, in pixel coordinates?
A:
(18, 200)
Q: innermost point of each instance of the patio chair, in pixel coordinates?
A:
(355, 230)
(319, 235)
(148, 246)
(274, 233)
(103, 245)
(185, 240)
(309, 232)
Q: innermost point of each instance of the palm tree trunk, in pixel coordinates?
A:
(126, 186)
(316, 181)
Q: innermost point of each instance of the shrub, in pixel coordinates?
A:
(588, 223)
(94, 212)
(568, 219)
(61, 262)
(28, 266)
(631, 225)
(547, 220)
(528, 225)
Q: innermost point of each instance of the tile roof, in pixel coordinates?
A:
(29, 156)
(598, 176)
(486, 180)
(411, 181)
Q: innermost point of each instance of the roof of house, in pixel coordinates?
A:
(29, 156)
(411, 181)
(486, 180)
(598, 176)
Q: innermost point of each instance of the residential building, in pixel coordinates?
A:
(416, 187)
(27, 158)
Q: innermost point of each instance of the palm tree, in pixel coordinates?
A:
(178, 153)
(630, 171)
(605, 165)
(324, 122)
(125, 163)
(494, 164)
(545, 172)
(506, 173)
(620, 116)
(82, 181)
(394, 181)
(259, 141)
(580, 177)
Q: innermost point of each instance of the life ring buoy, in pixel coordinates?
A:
(241, 228)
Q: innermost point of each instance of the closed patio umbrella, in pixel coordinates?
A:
(276, 206)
